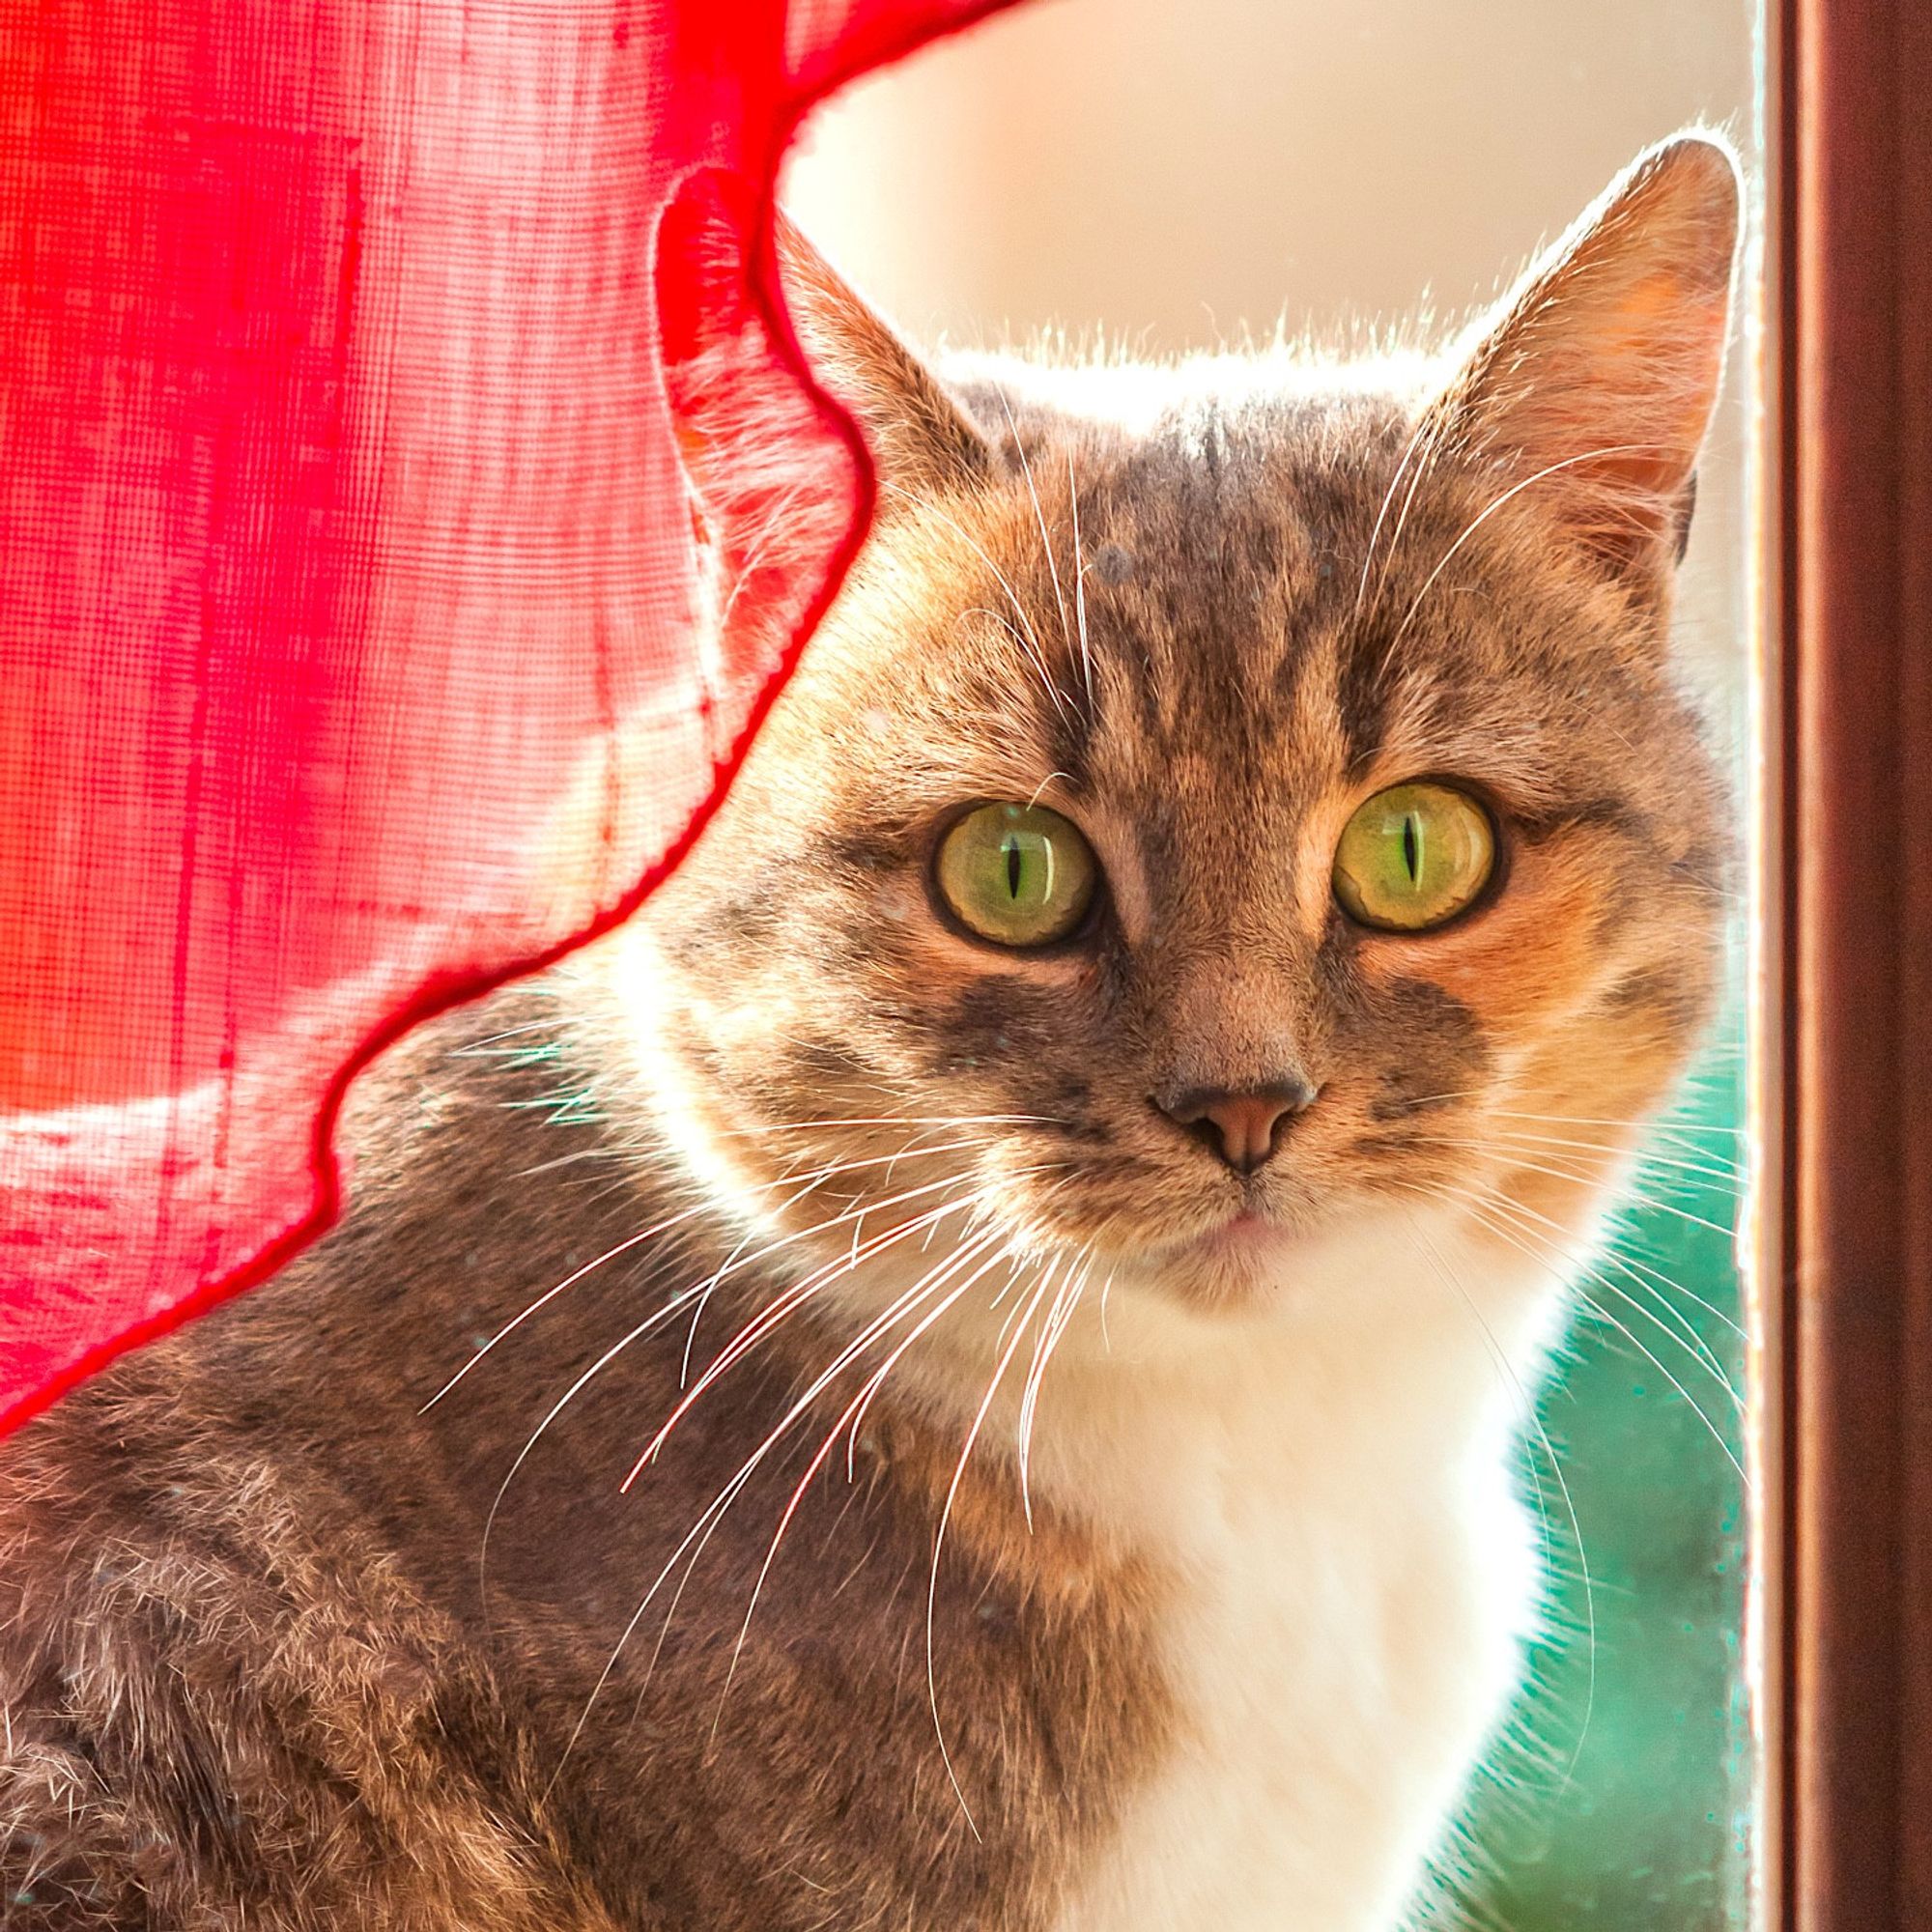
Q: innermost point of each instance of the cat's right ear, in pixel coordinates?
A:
(750, 441)
(917, 435)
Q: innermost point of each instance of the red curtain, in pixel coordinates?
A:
(347, 652)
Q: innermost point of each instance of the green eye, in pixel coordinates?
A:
(1412, 857)
(1016, 875)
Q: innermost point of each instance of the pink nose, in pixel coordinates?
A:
(1242, 1127)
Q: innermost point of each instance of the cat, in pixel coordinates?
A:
(962, 1368)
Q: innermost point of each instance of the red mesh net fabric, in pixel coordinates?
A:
(347, 644)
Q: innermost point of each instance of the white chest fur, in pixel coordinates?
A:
(1352, 1577)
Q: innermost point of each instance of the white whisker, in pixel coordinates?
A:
(1415, 436)
(1080, 587)
(853, 1416)
(1039, 652)
(1066, 1301)
(1483, 516)
(777, 1312)
(1526, 1408)
(701, 1530)
(939, 1545)
(549, 1294)
(1040, 515)
(1485, 1209)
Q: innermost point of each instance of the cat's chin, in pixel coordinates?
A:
(1240, 1260)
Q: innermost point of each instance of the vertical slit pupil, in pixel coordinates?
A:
(1016, 865)
(1412, 847)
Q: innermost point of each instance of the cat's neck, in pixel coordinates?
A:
(1137, 1415)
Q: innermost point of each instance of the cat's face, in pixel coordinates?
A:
(1030, 898)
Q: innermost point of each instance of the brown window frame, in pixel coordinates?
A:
(1846, 992)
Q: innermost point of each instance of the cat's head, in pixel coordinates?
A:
(1227, 800)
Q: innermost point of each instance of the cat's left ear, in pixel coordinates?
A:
(1594, 385)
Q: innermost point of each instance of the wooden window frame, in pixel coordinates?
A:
(1845, 1061)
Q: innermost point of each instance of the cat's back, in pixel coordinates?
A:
(227, 1694)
